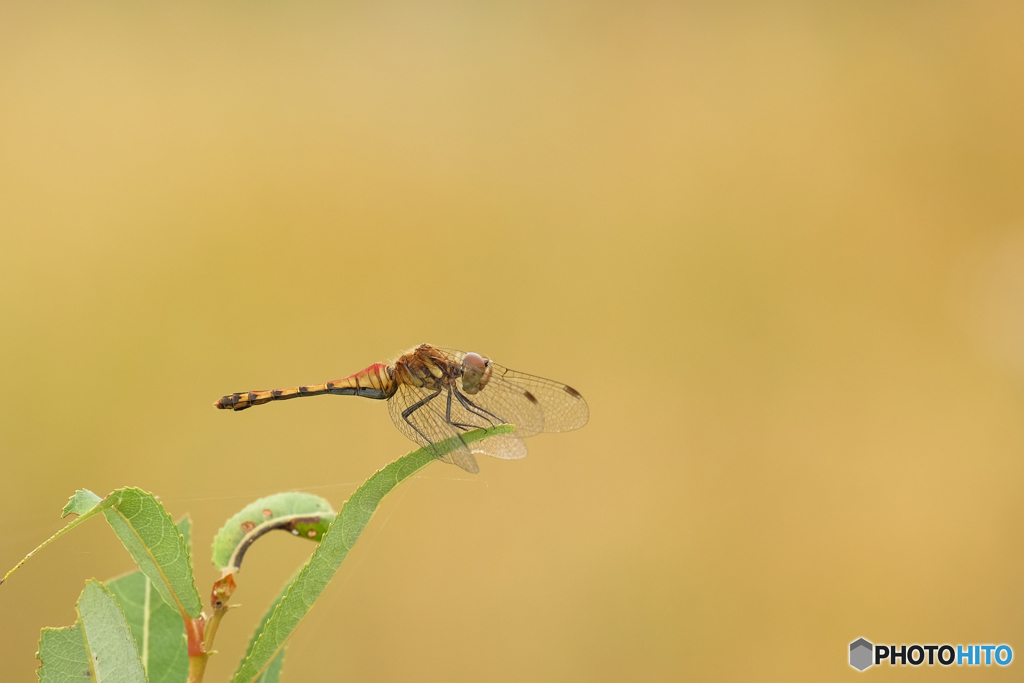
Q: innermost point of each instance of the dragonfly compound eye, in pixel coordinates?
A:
(474, 373)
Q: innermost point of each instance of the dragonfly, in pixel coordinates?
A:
(434, 394)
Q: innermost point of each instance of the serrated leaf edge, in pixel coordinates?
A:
(184, 547)
(479, 434)
(85, 635)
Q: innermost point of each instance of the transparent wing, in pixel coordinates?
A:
(563, 407)
(506, 447)
(426, 426)
(433, 417)
(523, 397)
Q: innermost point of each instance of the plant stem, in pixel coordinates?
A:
(211, 627)
(197, 652)
(203, 630)
(197, 667)
(201, 642)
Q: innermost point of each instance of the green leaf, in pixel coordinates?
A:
(303, 514)
(81, 502)
(333, 549)
(112, 654)
(149, 535)
(153, 541)
(273, 672)
(156, 626)
(78, 505)
(62, 656)
(184, 526)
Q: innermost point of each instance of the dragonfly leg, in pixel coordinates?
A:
(477, 410)
(448, 415)
(416, 406)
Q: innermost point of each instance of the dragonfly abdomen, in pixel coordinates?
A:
(373, 382)
(247, 399)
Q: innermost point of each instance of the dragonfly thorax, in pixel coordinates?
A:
(426, 367)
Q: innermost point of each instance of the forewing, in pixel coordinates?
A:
(563, 407)
(499, 402)
(506, 403)
(426, 426)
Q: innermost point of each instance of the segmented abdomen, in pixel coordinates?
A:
(373, 382)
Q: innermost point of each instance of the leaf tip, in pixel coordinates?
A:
(80, 502)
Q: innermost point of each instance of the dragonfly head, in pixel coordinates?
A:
(476, 371)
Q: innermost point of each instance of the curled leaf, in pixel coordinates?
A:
(301, 514)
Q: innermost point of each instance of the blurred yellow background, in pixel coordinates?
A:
(780, 250)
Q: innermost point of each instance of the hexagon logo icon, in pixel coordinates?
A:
(861, 654)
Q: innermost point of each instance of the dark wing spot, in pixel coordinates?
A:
(530, 397)
(572, 392)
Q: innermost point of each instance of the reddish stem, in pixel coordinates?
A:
(194, 628)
